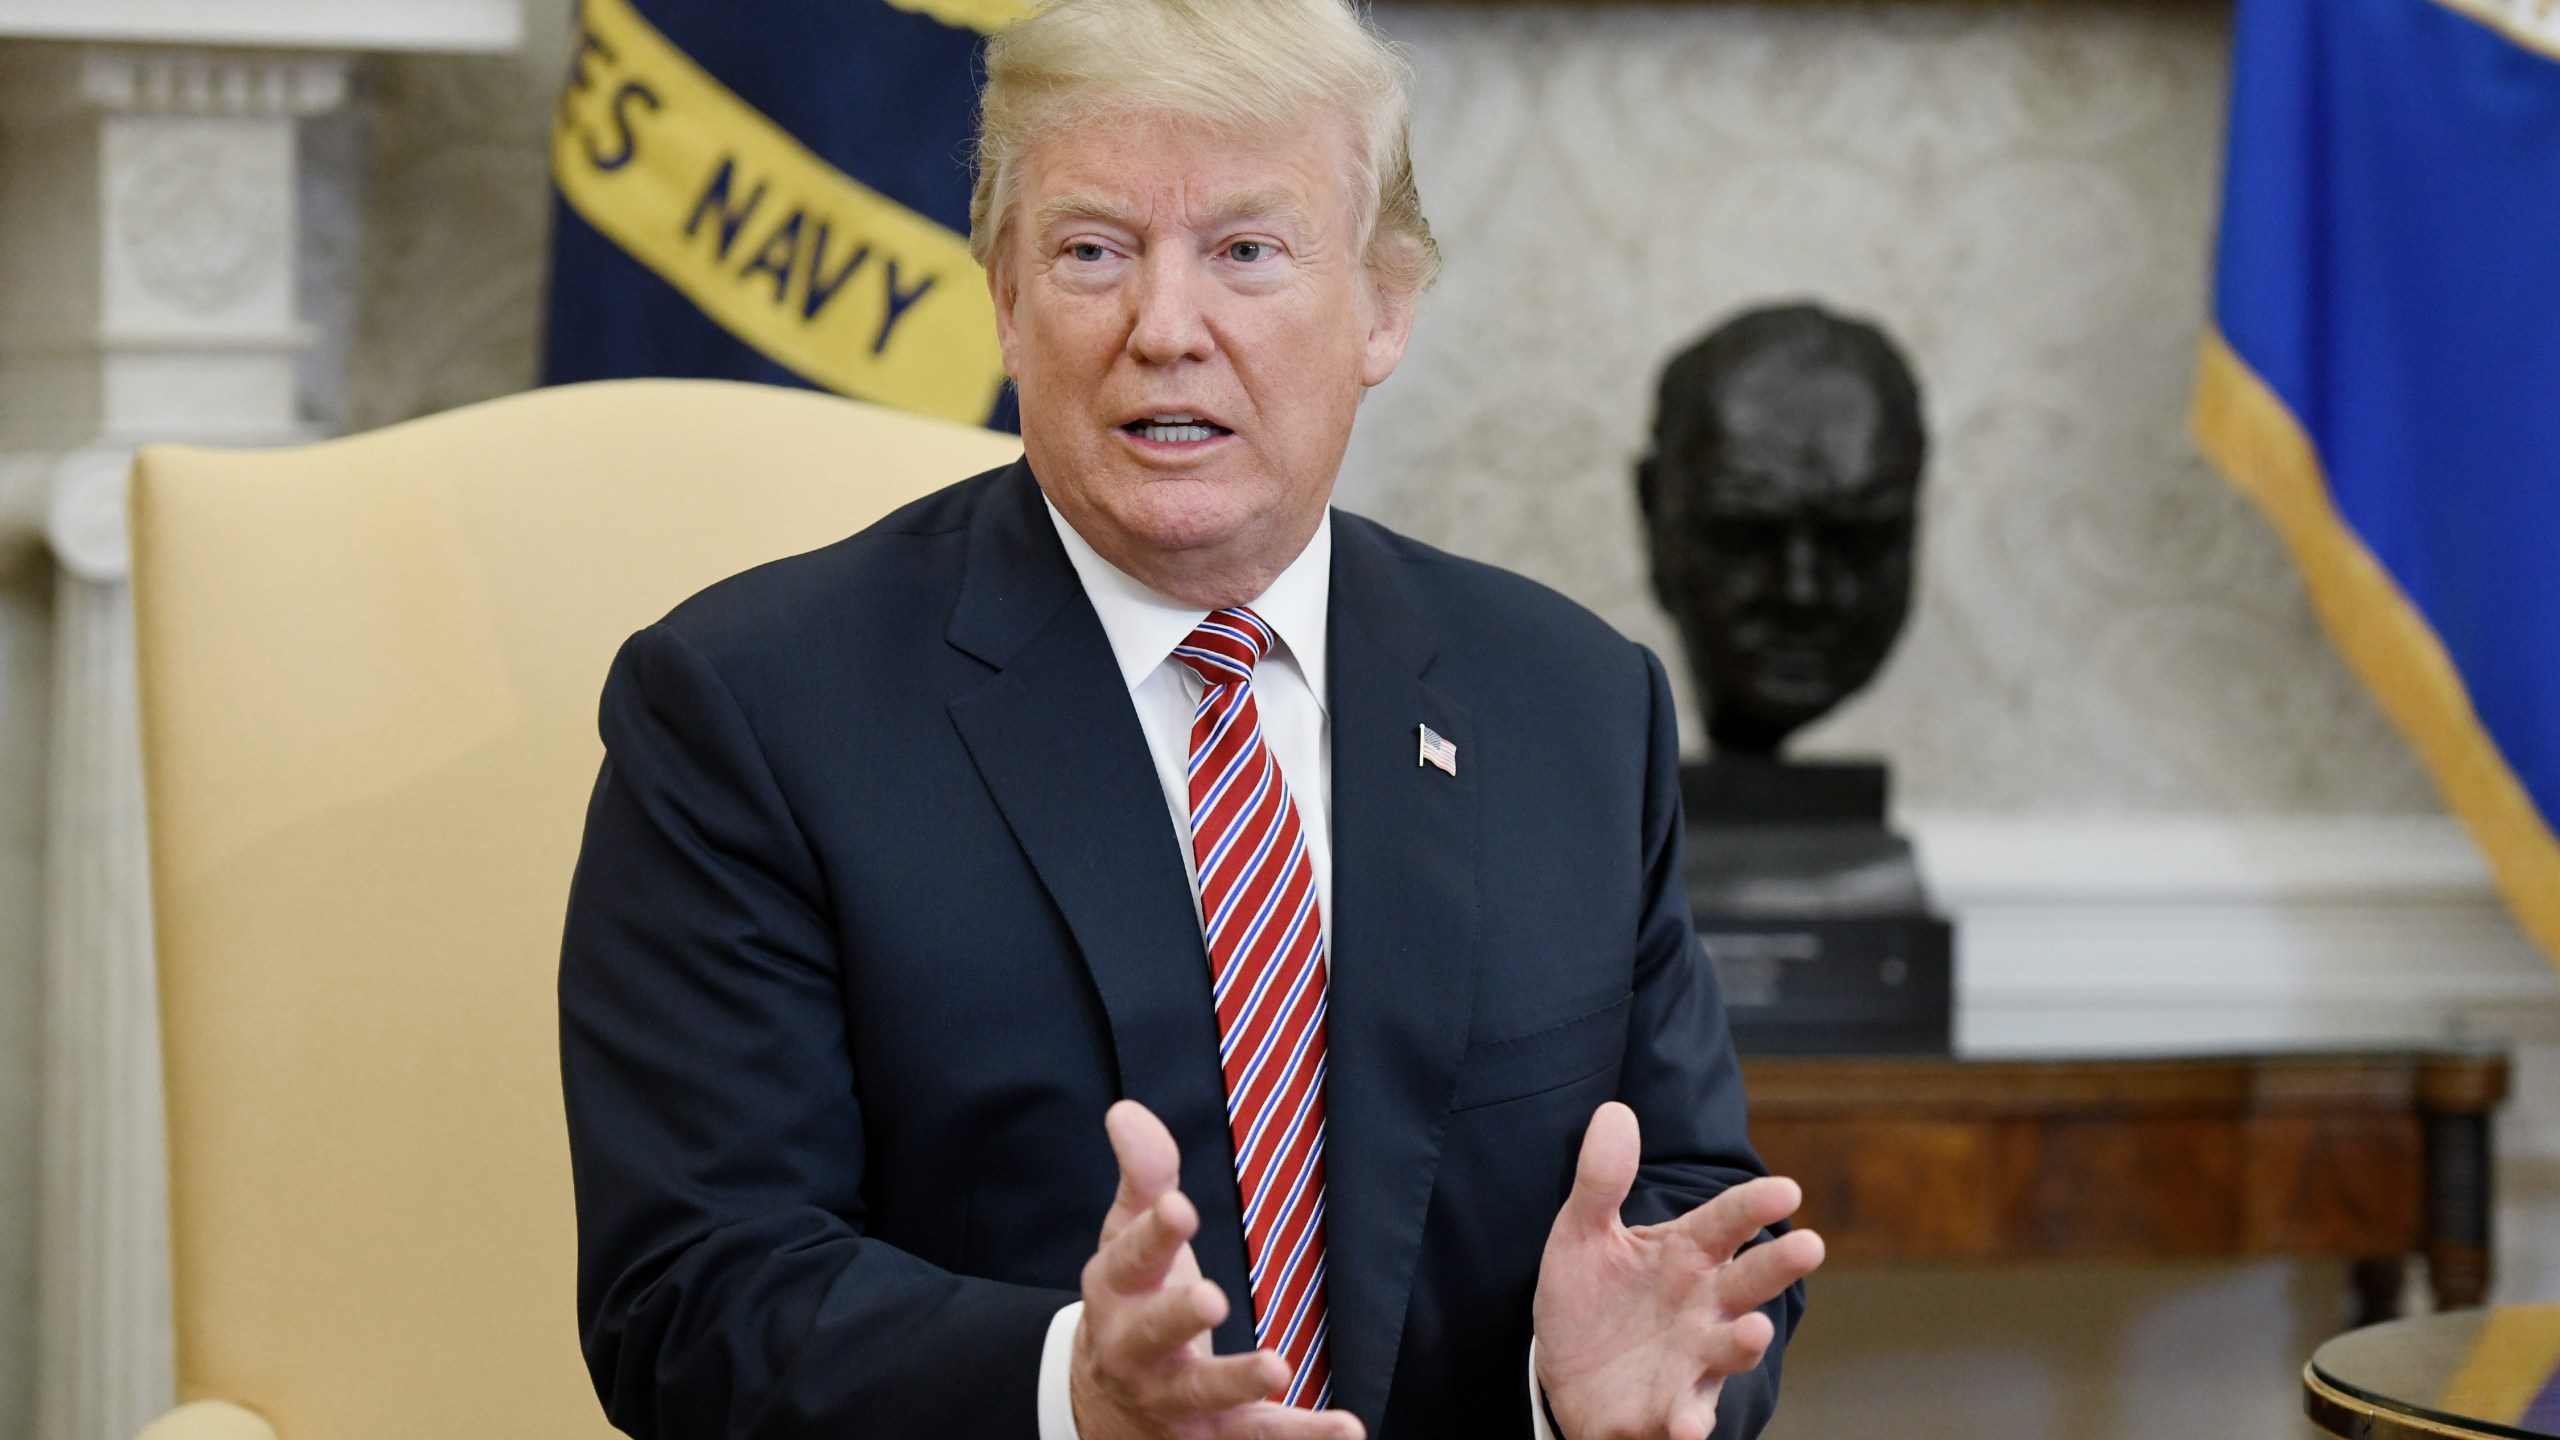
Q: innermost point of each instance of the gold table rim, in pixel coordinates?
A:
(2352, 1417)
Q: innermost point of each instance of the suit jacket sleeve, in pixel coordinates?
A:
(1680, 1075)
(725, 1284)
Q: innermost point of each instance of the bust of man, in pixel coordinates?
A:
(1781, 501)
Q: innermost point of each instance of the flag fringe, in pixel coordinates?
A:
(2259, 446)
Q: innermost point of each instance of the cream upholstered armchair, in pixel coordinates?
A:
(369, 675)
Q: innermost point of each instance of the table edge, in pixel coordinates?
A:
(2352, 1417)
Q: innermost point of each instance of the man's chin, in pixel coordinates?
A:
(1189, 512)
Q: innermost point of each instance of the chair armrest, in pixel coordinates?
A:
(209, 1420)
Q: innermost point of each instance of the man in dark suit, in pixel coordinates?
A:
(1117, 949)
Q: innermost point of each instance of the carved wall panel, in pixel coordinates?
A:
(188, 228)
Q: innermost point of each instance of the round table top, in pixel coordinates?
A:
(2465, 1372)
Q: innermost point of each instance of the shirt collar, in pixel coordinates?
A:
(1144, 626)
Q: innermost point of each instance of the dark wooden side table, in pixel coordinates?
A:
(2365, 1158)
(2465, 1375)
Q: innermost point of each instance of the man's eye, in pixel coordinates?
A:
(1248, 251)
(1088, 253)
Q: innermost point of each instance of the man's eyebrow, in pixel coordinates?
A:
(1273, 204)
(1086, 207)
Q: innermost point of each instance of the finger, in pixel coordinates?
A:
(1270, 1420)
(1225, 1382)
(1165, 1322)
(1606, 1171)
(1695, 1416)
(1763, 1272)
(1729, 1347)
(1134, 1261)
(1729, 1221)
(1150, 1163)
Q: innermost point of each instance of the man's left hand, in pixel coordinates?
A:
(1639, 1328)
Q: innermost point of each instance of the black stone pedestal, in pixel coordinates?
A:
(1813, 913)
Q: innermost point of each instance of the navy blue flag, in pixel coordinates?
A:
(777, 191)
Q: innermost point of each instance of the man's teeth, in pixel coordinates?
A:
(1175, 429)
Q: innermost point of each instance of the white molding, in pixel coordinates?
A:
(2193, 933)
(453, 25)
(85, 524)
(2173, 858)
(103, 1340)
(172, 79)
(178, 80)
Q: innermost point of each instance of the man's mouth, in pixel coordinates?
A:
(1179, 427)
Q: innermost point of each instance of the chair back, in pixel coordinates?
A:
(369, 673)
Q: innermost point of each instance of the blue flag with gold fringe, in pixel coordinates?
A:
(775, 190)
(2384, 376)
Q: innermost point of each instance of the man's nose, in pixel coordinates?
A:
(1169, 325)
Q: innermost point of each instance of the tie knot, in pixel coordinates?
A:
(1223, 650)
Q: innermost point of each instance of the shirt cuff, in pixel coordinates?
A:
(1057, 1355)
(1537, 1400)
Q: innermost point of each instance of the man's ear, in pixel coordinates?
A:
(1001, 290)
(1390, 326)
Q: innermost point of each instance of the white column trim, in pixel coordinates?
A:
(456, 25)
(149, 287)
(104, 1348)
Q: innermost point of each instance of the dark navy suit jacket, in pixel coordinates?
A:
(880, 908)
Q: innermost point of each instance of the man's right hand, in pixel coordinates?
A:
(1143, 1368)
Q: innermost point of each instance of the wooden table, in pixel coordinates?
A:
(2365, 1158)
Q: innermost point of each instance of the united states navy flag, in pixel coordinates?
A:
(2384, 375)
(775, 190)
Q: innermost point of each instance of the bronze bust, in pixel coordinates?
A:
(1782, 501)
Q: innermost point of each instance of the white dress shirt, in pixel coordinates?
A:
(1288, 690)
(1288, 686)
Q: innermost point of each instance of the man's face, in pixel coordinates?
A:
(1190, 323)
(1797, 574)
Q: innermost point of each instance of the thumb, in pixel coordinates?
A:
(1611, 1148)
(1150, 1163)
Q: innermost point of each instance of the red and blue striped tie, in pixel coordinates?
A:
(1267, 968)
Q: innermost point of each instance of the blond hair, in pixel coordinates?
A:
(1238, 65)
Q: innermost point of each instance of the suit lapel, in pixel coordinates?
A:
(1403, 957)
(1057, 741)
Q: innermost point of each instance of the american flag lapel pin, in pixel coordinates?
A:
(1438, 750)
